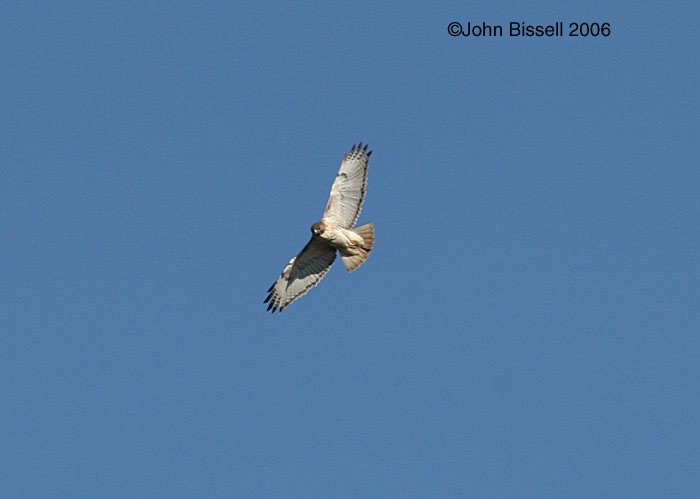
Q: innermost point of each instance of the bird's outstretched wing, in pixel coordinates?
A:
(301, 274)
(348, 190)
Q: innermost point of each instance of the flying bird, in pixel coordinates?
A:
(335, 232)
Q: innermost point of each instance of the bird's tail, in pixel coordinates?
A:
(360, 254)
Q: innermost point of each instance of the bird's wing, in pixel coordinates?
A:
(301, 274)
(348, 190)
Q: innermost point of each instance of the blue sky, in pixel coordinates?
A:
(526, 326)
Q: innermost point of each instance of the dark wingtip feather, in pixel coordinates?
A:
(359, 149)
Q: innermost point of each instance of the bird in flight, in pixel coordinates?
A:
(335, 232)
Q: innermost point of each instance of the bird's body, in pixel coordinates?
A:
(353, 244)
(335, 231)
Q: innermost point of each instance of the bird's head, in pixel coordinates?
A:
(316, 228)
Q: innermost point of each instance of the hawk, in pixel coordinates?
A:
(335, 232)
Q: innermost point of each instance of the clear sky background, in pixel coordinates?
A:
(526, 326)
